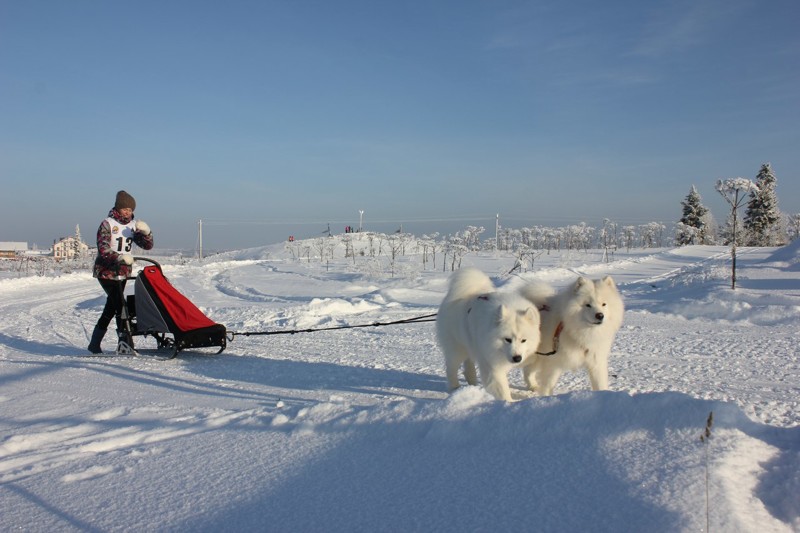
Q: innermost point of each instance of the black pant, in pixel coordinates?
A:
(115, 290)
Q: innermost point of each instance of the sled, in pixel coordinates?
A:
(158, 310)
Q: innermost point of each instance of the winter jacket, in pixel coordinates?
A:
(107, 264)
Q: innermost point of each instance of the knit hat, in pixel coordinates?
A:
(124, 200)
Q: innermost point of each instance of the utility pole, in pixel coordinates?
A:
(200, 239)
(497, 232)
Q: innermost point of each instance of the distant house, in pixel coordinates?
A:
(13, 249)
(69, 248)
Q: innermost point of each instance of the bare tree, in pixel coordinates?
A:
(319, 246)
(428, 245)
(349, 251)
(735, 191)
(396, 245)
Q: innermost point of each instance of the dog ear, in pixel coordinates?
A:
(580, 284)
(502, 312)
(531, 314)
(608, 280)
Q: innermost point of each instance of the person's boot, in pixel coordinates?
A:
(97, 337)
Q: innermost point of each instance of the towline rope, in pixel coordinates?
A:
(412, 320)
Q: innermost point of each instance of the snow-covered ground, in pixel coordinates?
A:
(352, 430)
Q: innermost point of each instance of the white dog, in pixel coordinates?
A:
(478, 325)
(579, 325)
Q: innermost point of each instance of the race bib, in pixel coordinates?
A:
(121, 236)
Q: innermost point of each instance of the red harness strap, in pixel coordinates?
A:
(556, 337)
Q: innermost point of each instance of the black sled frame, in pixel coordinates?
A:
(168, 346)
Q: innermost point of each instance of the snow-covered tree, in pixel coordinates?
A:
(628, 235)
(455, 247)
(711, 230)
(651, 234)
(428, 245)
(735, 190)
(608, 237)
(76, 243)
(472, 237)
(762, 216)
(686, 234)
(578, 236)
(319, 246)
(692, 226)
(793, 226)
(349, 250)
(728, 231)
(397, 243)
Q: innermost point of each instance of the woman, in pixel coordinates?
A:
(115, 238)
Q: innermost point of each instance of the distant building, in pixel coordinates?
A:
(69, 248)
(13, 249)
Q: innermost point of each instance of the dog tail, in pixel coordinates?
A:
(537, 292)
(467, 283)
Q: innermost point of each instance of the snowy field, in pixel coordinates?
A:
(352, 430)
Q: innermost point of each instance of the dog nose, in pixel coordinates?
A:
(517, 358)
(599, 316)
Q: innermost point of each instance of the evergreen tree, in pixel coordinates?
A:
(692, 226)
(76, 243)
(762, 215)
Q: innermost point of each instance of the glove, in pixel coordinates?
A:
(125, 258)
(142, 227)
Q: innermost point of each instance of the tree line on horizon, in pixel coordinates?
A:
(763, 224)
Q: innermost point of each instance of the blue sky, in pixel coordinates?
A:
(267, 118)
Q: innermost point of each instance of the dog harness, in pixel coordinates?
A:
(556, 337)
